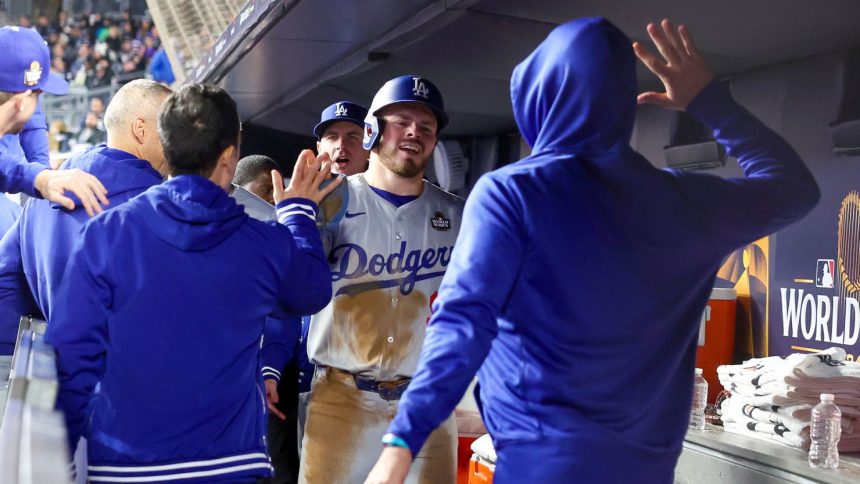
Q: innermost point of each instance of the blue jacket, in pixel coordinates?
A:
(581, 272)
(287, 342)
(9, 316)
(158, 341)
(33, 254)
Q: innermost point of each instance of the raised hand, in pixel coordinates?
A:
(683, 71)
(309, 173)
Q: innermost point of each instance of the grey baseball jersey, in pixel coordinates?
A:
(254, 206)
(386, 264)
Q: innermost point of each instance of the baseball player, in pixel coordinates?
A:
(340, 133)
(582, 270)
(24, 73)
(389, 236)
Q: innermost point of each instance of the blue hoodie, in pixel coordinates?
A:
(35, 251)
(158, 341)
(581, 272)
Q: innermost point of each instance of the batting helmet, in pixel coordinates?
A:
(403, 89)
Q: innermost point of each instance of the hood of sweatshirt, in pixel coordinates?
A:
(576, 92)
(120, 172)
(190, 212)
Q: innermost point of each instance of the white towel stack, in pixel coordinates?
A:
(772, 398)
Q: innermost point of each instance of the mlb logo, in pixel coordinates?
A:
(33, 74)
(824, 273)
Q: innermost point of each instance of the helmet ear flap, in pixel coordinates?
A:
(373, 128)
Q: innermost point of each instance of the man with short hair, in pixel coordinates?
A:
(340, 133)
(254, 175)
(34, 252)
(388, 235)
(181, 274)
(577, 287)
(24, 73)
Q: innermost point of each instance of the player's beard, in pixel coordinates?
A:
(403, 167)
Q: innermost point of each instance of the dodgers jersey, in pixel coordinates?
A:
(386, 265)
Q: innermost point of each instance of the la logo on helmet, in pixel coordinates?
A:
(340, 110)
(419, 89)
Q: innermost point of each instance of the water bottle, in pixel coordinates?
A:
(825, 429)
(700, 400)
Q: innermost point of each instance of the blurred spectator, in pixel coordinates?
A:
(43, 26)
(97, 105)
(160, 69)
(96, 51)
(101, 76)
(113, 38)
(145, 30)
(58, 66)
(149, 47)
(90, 133)
(59, 137)
(129, 46)
(80, 63)
(62, 21)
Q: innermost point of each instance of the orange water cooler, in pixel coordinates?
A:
(717, 337)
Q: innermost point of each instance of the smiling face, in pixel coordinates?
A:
(341, 140)
(408, 139)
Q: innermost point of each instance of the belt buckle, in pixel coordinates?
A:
(390, 391)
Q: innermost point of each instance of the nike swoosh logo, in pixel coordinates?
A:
(350, 215)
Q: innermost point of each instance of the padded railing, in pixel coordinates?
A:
(32, 434)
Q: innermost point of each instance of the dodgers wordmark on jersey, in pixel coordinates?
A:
(386, 263)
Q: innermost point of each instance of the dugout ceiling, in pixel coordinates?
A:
(289, 59)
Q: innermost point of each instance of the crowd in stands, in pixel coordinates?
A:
(96, 50)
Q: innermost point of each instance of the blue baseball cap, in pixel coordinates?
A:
(340, 111)
(26, 63)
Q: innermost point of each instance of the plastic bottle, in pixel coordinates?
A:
(700, 400)
(825, 429)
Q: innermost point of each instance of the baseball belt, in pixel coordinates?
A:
(387, 390)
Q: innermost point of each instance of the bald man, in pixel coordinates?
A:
(34, 251)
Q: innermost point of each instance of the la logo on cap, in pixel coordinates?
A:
(419, 88)
(340, 110)
(32, 75)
